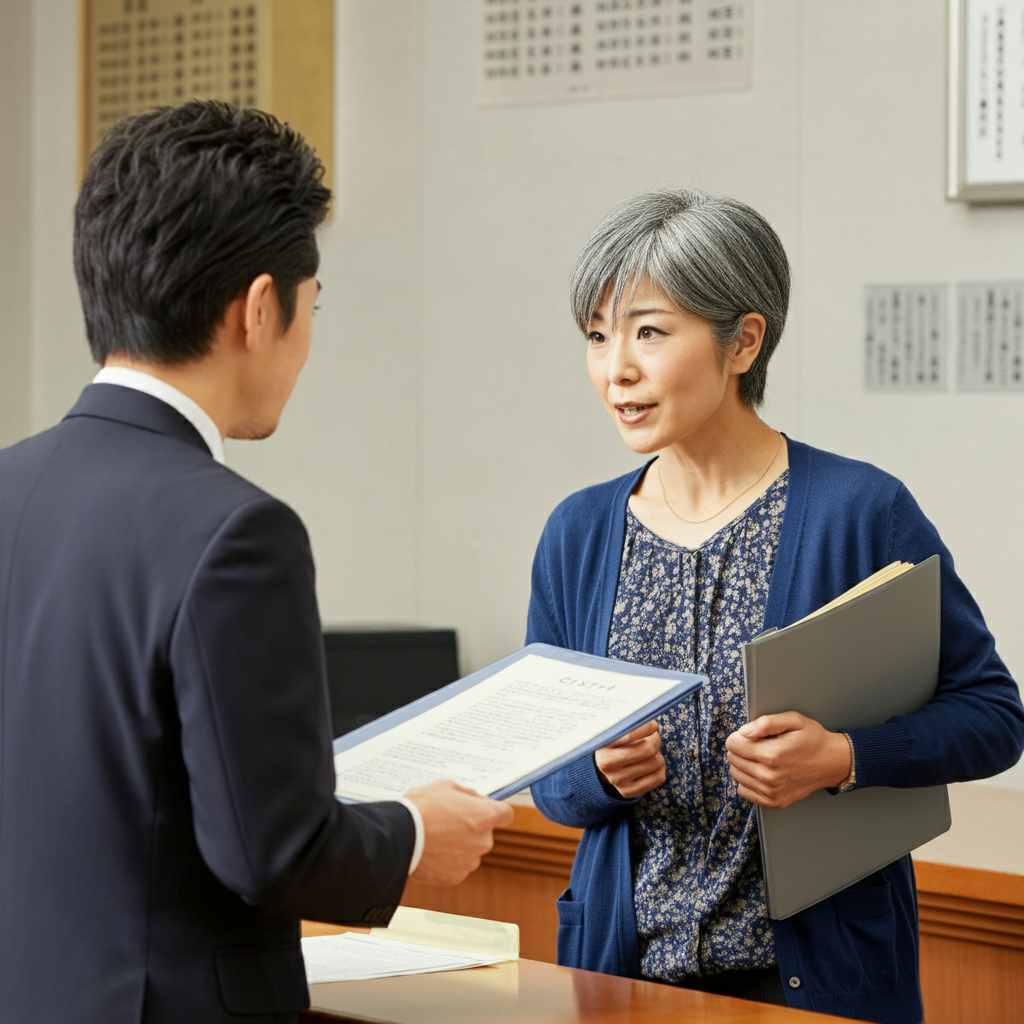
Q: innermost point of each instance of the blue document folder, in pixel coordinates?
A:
(685, 686)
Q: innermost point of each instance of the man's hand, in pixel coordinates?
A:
(458, 824)
(779, 759)
(633, 764)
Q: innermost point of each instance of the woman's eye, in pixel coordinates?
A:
(647, 333)
(595, 337)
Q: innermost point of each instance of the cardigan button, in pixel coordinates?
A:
(794, 982)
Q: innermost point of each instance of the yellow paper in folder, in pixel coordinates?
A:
(890, 572)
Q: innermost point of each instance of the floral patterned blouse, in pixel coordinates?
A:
(698, 890)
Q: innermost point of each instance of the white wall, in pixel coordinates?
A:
(15, 222)
(61, 365)
(445, 409)
(347, 453)
(510, 424)
(873, 211)
(840, 142)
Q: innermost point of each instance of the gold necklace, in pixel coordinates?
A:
(698, 522)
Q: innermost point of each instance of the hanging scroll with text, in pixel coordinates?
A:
(986, 101)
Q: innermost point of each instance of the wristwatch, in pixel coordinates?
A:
(851, 780)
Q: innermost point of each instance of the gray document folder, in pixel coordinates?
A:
(857, 665)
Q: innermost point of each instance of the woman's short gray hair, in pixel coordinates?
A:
(711, 255)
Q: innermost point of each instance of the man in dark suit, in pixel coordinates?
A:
(166, 779)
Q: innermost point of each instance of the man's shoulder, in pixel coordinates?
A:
(173, 486)
(184, 482)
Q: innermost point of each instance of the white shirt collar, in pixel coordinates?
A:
(195, 414)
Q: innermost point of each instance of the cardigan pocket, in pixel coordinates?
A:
(867, 926)
(570, 930)
(869, 901)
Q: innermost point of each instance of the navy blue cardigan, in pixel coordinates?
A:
(855, 954)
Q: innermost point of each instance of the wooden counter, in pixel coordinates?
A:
(530, 992)
(970, 891)
(971, 914)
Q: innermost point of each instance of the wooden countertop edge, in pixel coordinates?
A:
(969, 883)
(602, 997)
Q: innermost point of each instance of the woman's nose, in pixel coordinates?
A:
(622, 367)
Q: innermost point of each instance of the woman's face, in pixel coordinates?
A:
(661, 374)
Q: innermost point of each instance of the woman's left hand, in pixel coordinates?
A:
(779, 759)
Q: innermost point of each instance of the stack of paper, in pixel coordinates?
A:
(417, 942)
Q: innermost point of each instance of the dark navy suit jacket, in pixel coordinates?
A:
(166, 780)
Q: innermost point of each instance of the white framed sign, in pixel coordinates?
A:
(986, 101)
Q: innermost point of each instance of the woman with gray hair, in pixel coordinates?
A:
(730, 529)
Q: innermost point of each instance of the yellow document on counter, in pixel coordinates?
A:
(416, 942)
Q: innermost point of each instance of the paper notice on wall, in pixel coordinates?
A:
(990, 350)
(539, 50)
(905, 337)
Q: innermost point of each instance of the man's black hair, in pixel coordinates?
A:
(180, 210)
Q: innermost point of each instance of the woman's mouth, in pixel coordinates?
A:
(632, 413)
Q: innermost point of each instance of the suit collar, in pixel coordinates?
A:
(126, 405)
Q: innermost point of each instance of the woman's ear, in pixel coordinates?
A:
(744, 350)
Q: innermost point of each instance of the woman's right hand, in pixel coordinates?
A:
(633, 764)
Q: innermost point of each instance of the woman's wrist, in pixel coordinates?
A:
(845, 763)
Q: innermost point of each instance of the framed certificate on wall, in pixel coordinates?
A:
(986, 101)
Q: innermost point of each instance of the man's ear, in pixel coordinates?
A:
(745, 348)
(261, 312)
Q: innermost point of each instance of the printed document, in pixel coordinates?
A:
(515, 722)
(415, 942)
(355, 957)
